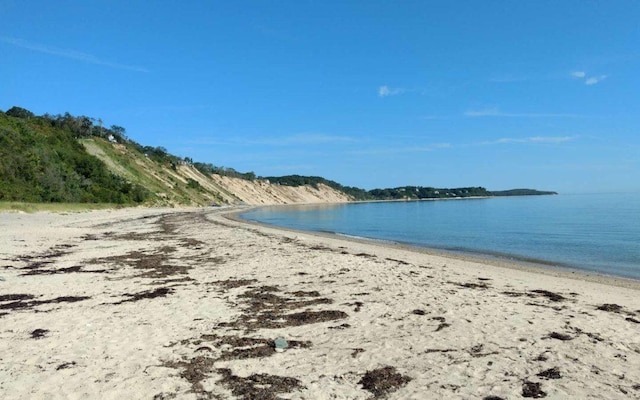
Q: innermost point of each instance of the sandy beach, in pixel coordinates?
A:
(189, 304)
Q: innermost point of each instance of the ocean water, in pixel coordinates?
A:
(591, 232)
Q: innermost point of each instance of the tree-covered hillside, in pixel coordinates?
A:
(420, 192)
(521, 192)
(41, 161)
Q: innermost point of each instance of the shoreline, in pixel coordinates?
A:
(495, 260)
(188, 304)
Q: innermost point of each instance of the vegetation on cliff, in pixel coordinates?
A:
(41, 160)
(68, 159)
(314, 181)
(403, 192)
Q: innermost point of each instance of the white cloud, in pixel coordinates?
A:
(551, 139)
(66, 53)
(588, 80)
(495, 112)
(384, 91)
(594, 79)
(485, 112)
(533, 140)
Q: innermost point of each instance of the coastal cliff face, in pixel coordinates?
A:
(185, 185)
(263, 192)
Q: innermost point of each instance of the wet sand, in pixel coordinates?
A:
(187, 304)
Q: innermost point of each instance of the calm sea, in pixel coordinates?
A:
(594, 232)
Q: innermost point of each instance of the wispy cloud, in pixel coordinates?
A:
(533, 140)
(595, 79)
(384, 91)
(67, 53)
(304, 139)
(399, 150)
(588, 80)
(495, 112)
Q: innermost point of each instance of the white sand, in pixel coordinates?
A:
(422, 314)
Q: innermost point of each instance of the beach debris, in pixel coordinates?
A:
(240, 348)
(147, 294)
(266, 309)
(443, 324)
(594, 336)
(427, 351)
(280, 344)
(551, 373)
(67, 270)
(471, 285)
(358, 305)
(233, 283)
(312, 317)
(65, 365)
(302, 293)
(194, 371)
(383, 380)
(39, 333)
(476, 351)
(24, 303)
(401, 262)
(343, 326)
(191, 242)
(533, 390)
(418, 312)
(258, 386)
(365, 255)
(560, 336)
(614, 308)
(16, 297)
(262, 386)
(356, 351)
(618, 309)
(551, 296)
(152, 264)
(555, 297)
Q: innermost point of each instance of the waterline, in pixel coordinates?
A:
(595, 233)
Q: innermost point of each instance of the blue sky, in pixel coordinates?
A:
(501, 94)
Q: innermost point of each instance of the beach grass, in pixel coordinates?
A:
(18, 206)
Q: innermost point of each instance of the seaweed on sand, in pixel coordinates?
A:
(258, 386)
(383, 380)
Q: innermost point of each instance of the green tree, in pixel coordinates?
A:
(20, 112)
